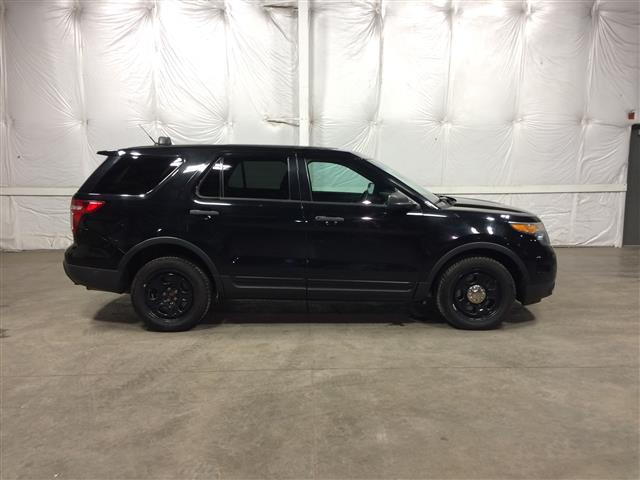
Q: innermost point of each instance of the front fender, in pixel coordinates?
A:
(425, 287)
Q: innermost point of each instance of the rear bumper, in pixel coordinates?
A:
(94, 278)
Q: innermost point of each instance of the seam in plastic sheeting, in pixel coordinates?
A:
(521, 75)
(447, 92)
(5, 120)
(9, 223)
(593, 39)
(304, 130)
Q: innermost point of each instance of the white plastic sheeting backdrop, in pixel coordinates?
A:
(516, 97)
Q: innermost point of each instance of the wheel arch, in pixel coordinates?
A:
(157, 247)
(500, 253)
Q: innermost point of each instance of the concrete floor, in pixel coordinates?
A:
(346, 392)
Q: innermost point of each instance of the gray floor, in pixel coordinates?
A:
(346, 392)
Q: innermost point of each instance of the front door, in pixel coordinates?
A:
(358, 248)
(246, 214)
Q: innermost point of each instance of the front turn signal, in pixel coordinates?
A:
(531, 228)
(535, 229)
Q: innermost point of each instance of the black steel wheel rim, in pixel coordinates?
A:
(168, 294)
(477, 295)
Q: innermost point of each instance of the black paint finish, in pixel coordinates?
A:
(297, 247)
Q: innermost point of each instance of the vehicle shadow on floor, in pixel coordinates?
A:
(120, 311)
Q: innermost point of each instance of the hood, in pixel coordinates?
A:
(487, 206)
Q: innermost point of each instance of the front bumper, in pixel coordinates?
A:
(94, 278)
(542, 277)
(535, 293)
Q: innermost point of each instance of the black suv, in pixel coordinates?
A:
(180, 226)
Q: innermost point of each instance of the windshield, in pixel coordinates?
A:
(432, 197)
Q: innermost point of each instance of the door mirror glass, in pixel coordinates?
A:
(371, 188)
(398, 201)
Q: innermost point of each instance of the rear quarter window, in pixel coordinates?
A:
(136, 175)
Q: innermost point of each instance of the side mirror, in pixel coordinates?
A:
(398, 201)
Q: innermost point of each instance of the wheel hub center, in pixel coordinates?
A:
(169, 296)
(476, 294)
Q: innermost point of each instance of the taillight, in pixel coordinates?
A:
(80, 208)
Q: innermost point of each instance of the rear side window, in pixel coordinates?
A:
(244, 176)
(210, 185)
(136, 175)
(254, 177)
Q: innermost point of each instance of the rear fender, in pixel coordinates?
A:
(173, 241)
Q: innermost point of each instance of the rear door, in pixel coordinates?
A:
(359, 249)
(246, 214)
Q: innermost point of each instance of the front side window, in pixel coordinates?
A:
(412, 184)
(251, 178)
(136, 174)
(335, 182)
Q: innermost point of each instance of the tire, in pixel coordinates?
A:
(476, 293)
(171, 294)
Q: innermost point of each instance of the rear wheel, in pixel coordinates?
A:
(476, 293)
(171, 294)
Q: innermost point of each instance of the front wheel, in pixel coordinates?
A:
(476, 293)
(171, 294)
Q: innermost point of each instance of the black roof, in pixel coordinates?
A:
(244, 147)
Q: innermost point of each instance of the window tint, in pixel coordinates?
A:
(334, 182)
(333, 177)
(210, 185)
(247, 178)
(135, 175)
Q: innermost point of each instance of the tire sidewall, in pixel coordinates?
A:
(452, 275)
(201, 293)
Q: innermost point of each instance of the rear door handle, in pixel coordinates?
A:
(208, 213)
(322, 218)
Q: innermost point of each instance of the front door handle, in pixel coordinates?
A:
(322, 218)
(208, 213)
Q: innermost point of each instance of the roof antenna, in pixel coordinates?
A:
(154, 142)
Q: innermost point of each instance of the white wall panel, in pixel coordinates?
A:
(422, 150)
(9, 225)
(345, 70)
(34, 222)
(557, 45)
(600, 217)
(614, 60)
(522, 95)
(545, 150)
(486, 57)
(413, 101)
(605, 155)
(262, 81)
(476, 154)
(43, 97)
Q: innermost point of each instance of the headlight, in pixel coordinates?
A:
(535, 229)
